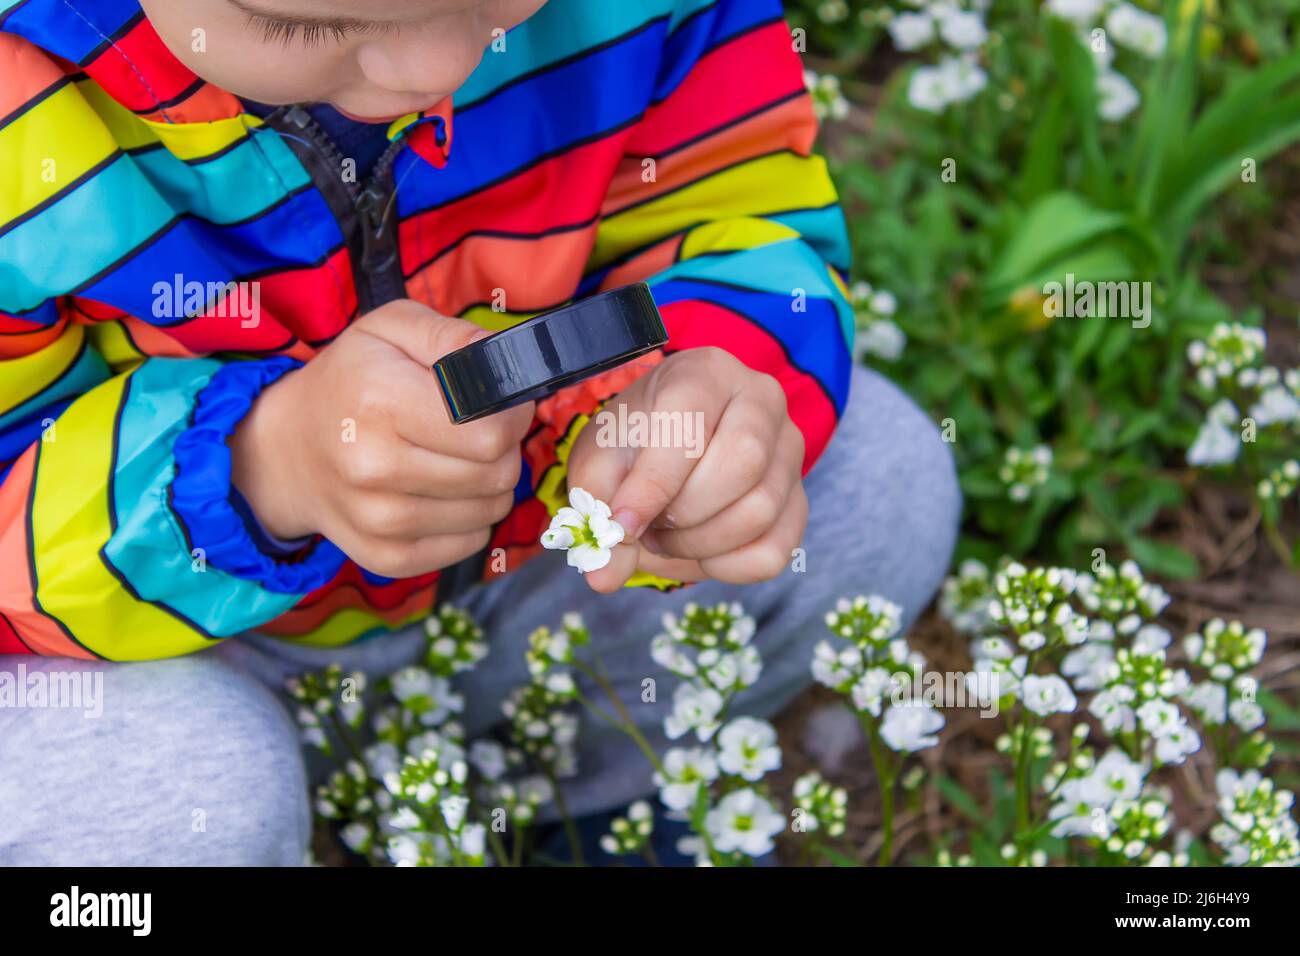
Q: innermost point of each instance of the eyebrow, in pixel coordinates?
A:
(307, 20)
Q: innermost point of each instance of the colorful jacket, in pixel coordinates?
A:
(664, 140)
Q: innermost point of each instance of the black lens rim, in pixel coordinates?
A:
(548, 352)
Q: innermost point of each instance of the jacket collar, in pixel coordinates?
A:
(113, 43)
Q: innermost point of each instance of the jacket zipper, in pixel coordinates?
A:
(366, 216)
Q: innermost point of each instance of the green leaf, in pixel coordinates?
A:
(1165, 560)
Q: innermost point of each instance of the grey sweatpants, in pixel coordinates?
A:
(196, 760)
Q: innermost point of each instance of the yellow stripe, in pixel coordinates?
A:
(346, 626)
(28, 376)
(485, 318)
(110, 340)
(70, 523)
(46, 149)
(184, 140)
(734, 235)
(762, 187)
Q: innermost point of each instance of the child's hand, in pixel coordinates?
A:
(734, 513)
(356, 445)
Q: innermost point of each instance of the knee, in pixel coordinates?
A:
(884, 497)
(189, 763)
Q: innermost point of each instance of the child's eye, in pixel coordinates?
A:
(311, 34)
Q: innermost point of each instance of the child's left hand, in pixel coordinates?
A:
(734, 513)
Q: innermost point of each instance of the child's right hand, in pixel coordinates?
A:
(356, 445)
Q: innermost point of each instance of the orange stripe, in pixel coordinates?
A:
(300, 622)
(790, 123)
(18, 344)
(39, 631)
(654, 260)
(205, 105)
(535, 274)
(24, 71)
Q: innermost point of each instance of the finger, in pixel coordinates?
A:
(767, 557)
(743, 521)
(418, 471)
(420, 332)
(411, 517)
(395, 558)
(737, 454)
(674, 569)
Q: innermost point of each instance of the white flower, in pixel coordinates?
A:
(488, 758)
(1175, 744)
(427, 695)
(963, 30)
(1048, 695)
(747, 748)
(1138, 30)
(1246, 714)
(883, 302)
(694, 708)
(684, 772)
(1113, 711)
(882, 338)
(911, 31)
(1218, 442)
(870, 689)
(1210, 700)
(1082, 12)
(1116, 96)
(1089, 666)
(585, 530)
(954, 80)
(743, 821)
(1276, 405)
(911, 726)
(1074, 815)
(1159, 717)
(1115, 777)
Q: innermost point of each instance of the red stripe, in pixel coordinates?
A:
(139, 71)
(9, 642)
(722, 87)
(380, 597)
(565, 189)
(694, 324)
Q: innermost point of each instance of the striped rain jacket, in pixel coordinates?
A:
(660, 140)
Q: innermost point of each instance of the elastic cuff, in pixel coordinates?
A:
(201, 492)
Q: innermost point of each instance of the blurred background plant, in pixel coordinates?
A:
(985, 149)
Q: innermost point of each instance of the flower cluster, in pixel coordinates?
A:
(819, 807)
(542, 722)
(878, 334)
(710, 649)
(1099, 22)
(1256, 828)
(455, 642)
(1226, 651)
(1024, 469)
(1231, 377)
(957, 32)
(630, 835)
(827, 98)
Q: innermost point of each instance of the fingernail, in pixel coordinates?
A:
(630, 523)
(650, 541)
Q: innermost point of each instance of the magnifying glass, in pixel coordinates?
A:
(548, 352)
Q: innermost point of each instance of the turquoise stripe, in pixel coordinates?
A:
(824, 230)
(562, 29)
(777, 268)
(89, 370)
(148, 548)
(130, 200)
(237, 185)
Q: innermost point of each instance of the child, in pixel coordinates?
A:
(233, 235)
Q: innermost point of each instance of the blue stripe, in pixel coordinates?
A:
(510, 132)
(71, 28)
(299, 232)
(706, 32)
(812, 339)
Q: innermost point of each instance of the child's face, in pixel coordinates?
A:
(373, 61)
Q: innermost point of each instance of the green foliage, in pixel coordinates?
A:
(967, 215)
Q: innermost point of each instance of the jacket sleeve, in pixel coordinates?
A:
(721, 205)
(118, 536)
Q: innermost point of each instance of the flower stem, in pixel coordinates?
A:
(886, 773)
(570, 828)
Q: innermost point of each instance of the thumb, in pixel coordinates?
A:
(420, 332)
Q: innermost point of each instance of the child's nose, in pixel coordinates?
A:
(421, 63)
